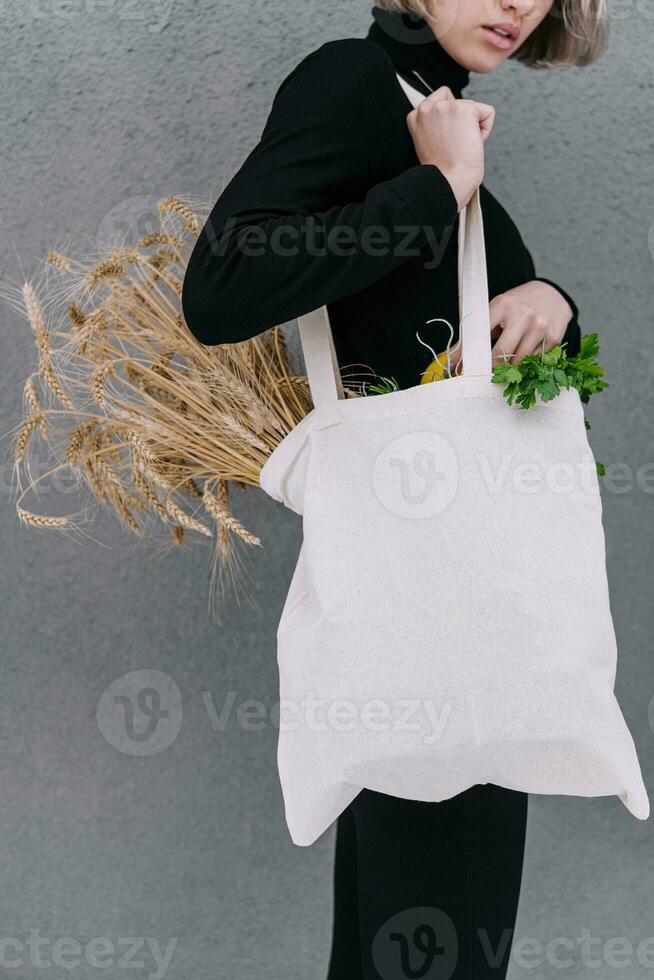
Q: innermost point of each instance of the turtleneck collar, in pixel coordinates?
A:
(416, 53)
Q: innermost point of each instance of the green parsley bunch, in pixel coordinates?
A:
(546, 373)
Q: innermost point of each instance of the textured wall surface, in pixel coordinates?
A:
(107, 101)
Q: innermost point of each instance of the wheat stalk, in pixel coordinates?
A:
(38, 520)
(219, 509)
(184, 519)
(25, 431)
(172, 205)
(34, 403)
(180, 422)
(59, 261)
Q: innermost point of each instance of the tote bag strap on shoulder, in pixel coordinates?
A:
(474, 327)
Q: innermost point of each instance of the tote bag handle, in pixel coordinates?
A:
(474, 327)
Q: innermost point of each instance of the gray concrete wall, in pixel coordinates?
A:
(106, 102)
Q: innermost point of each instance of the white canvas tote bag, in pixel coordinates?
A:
(448, 620)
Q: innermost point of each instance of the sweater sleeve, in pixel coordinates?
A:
(322, 205)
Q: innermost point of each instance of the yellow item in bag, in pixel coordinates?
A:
(436, 370)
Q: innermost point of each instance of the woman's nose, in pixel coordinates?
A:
(521, 7)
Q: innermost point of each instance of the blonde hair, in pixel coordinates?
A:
(574, 32)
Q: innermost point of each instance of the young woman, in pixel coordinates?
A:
(351, 198)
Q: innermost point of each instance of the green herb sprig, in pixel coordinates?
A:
(545, 374)
(383, 386)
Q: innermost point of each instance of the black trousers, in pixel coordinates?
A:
(427, 891)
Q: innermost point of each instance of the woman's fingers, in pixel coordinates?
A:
(485, 115)
(442, 94)
(517, 332)
(531, 343)
(519, 326)
(486, 119)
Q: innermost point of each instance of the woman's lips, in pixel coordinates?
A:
(498, 40)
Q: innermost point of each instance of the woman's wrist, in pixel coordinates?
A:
(459, 179)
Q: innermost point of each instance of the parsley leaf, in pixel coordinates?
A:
(545, 374)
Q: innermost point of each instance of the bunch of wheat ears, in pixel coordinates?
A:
(158, 426)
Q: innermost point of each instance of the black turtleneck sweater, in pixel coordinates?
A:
(332, 206)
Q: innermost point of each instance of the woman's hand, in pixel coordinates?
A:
(523, 320)
(450, 134)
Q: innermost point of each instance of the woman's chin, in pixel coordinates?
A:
(483, 59)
